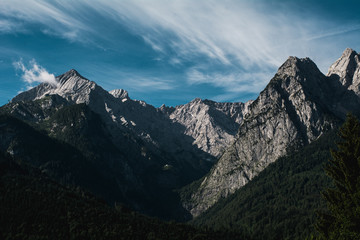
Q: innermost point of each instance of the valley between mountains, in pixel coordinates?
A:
(217, 165)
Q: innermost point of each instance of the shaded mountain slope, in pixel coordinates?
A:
(32, 206)
(85, 156)
(59, 160)
(281, 202)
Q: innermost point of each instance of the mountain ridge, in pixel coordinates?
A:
(149, 151)
(231, 142)
(294, 109)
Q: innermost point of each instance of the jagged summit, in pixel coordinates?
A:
(72, 86)
(69, 74)
(197, 100)
(347, 70)
(72, 72)
(119, 93)
(294, 66)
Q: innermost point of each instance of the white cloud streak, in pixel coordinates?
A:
(231, 82)
(7, 26)
(135, 82)
(145, 83)
(58, 17)
(230, 32)
(254, 37)
(335, 32)
(251, 38)
(35, 74)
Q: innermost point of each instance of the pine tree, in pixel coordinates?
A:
(343, 219)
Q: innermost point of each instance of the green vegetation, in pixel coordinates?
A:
(343, 220)
(43, 186)
(32, 206)
(280, 203)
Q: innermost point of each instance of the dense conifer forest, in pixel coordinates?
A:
(32, 206)
(282, 201)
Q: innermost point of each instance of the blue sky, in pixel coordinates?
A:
(169, 52)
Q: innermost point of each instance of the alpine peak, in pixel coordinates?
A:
(119, 93)
(347, 69)
(293, 65)
(72, 73)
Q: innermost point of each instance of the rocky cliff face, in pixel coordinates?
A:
(212, 125)
(297, 106)
(347, 70)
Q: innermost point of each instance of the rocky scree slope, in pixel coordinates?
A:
(296, 107)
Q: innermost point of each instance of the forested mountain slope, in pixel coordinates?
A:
(282, 201)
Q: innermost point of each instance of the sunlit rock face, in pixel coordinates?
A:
(347, 69)
(297, 106)
(212, 125)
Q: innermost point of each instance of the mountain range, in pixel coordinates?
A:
(127, 151)
(140, 153)
(296, 108)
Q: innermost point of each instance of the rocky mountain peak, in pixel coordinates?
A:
(290, 112)
(347, 70)
(119, 93)
(294, 66)
(197, 100)
(72, 73)
(72, 86)
(167, 110)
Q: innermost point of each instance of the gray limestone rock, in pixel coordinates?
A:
(347, 69)
(119, 93)
(212, 125)
(296, 107)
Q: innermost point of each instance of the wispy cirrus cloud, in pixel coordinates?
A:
(142, 83)
(250, 34)
(232, 45)
(33, 73)
(231, 82)
(335, 32)
(250, 39)
(56, 18)
(7, 26)
(134, 81)
(230, 32)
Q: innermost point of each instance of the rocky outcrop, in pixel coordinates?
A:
(212, 125)
(120, 93)
(347, 70)
(297, 106)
